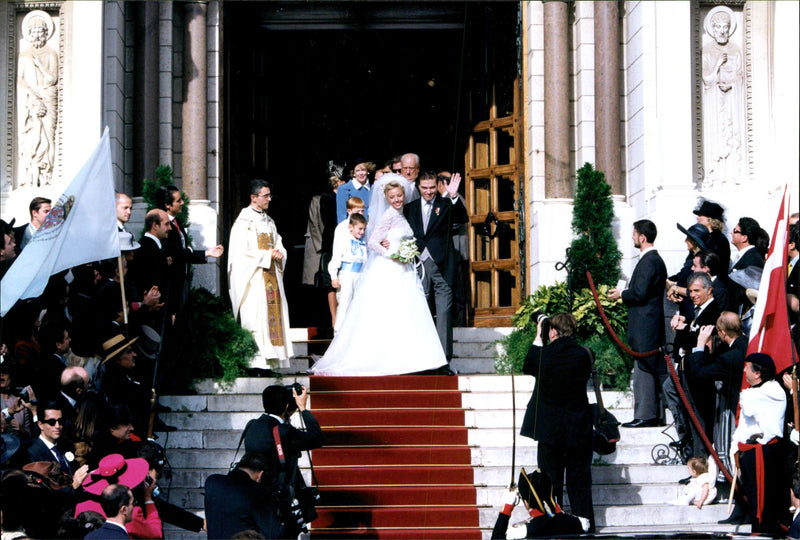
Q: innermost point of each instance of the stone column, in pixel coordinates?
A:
(607, 93)
(195, 165)
(146, 94)
(556, 100)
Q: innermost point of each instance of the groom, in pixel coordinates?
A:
(430, 218)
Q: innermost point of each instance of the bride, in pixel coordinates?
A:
(388, 329)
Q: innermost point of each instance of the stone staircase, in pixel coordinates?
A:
(630, 492)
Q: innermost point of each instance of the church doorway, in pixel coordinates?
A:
(308, 82)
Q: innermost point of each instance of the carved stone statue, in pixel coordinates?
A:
(724, 117)
(37, 93)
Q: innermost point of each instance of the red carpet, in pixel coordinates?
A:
(396, 463)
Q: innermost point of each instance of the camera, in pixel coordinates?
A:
(298, 388)
(545, 320)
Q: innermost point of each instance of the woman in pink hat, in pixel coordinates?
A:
(115, 469)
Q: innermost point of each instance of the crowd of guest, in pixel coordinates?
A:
(712, 299)
(79, 366)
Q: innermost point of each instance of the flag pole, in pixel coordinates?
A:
(122, 292)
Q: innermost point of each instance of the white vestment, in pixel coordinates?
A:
(267, 318)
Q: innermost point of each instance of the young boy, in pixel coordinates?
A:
(347, 259)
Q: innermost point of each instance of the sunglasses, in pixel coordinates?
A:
(396, 170)
(53, 421)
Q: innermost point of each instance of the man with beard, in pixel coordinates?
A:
(644, 298)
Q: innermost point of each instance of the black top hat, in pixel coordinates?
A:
(709, 209)
(148, 342)
(698, 233)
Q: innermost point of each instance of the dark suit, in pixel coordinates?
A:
(236, 503)
(258, 437)
(177, 246)
(560, 418)
(645, 300)
(701, 393)
(793, 280)
(107, 531)
(38, 451)
(751, 257)
(725, 365)
(441, 267)
(150, 268)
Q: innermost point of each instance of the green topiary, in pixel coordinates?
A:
(221, 347)
(594, 248)
(613, 365)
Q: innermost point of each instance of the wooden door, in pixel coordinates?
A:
(495, 199)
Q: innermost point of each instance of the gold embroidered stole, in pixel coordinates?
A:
(272, 289)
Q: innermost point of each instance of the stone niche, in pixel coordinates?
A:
(723, 101)
(35, 96)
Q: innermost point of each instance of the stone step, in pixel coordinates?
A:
(479, 400)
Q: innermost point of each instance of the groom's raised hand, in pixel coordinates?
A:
(452, 187)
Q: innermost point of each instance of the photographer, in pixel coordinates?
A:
(18, 417)
(283, 477)
(559, 416)
(238, 501)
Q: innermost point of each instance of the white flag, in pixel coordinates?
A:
(81, 228)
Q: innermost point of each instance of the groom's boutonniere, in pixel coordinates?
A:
(437, 210)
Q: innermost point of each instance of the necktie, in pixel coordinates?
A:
(426, 215)
(61, 459)
(789, 268)
(696, 313)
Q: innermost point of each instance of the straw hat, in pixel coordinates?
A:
(115, 345)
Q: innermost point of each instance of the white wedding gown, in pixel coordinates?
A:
(388, 329)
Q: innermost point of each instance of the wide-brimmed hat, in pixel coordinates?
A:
(149, 342)
(749, 278)
(698, 233)
(115, 469)
(48, 474)
(710, 210)
(9, 445)
(127, 242)
(115, 345)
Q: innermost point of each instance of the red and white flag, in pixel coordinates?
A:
(770, 333)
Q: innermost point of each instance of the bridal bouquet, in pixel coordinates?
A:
(406, 251)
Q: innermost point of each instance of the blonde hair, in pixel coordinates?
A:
(392, 184)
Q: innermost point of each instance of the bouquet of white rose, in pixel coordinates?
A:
(406, 251)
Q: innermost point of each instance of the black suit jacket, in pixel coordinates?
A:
(793, 280)
(558, 411)
(437, 239)
(150, 268)
(38, 451)
(645, 300)
(235, 503)
(719, 244)
(107, 531)
(687, 337)
(751, 257)
(258, 437)
(725, 365)
(182, 257)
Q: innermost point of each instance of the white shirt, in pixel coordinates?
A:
(762, 412)
(158, 242)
